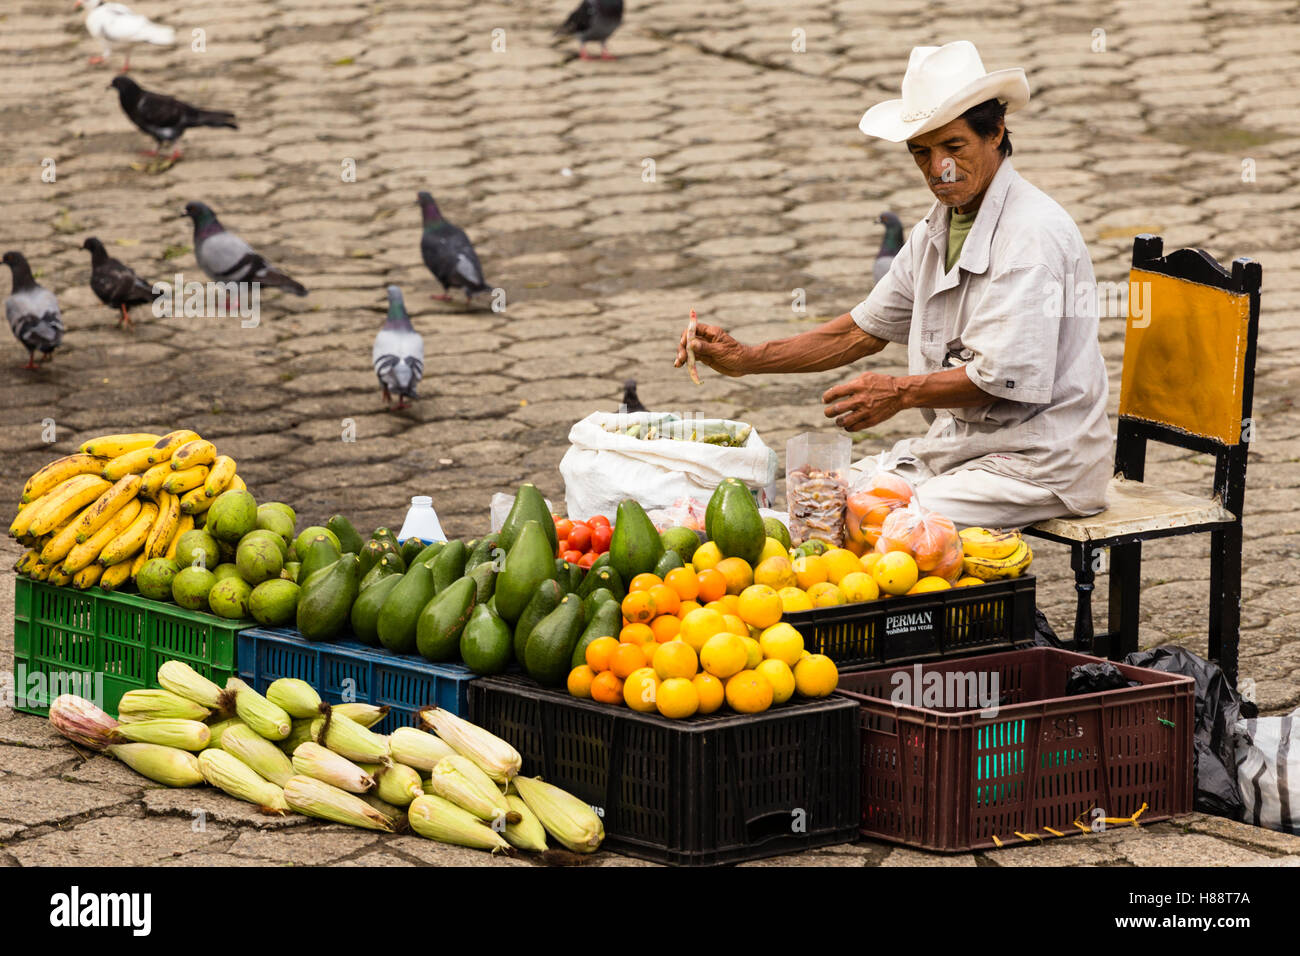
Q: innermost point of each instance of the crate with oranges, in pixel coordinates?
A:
(696, 640)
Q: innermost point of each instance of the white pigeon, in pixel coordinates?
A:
(398, 355)
(117, 23)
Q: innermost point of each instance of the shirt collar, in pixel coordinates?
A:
(975, 250)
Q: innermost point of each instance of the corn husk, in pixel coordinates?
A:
(235, 685)
(266, 759)
(459, 780)
(156, 704)
(81, 721)
(168, 731)
(215, 730)
(398, 784)
(394, 814)
(300, 733)
(179, 678)
(415, 748)
(166, 765)
(528, 833)
(295, 697)
(268, 719)
(345, 736)
(318, 799)
(490, 753)
(313, 760)
(367, 715)
(436, 818)
(227, 772)
(565, 817)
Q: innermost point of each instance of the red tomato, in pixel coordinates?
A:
(580, 538)
(573, 557)
(588, 559)
(563, 546)
(597, 520)
(600, 536)
(563, 527)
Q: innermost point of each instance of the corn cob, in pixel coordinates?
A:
(229, 773)
(87, 577)
(192, 454)
(164, 526)
(186, 523)
(115, 577)
(266, 759)
(318, 799)
(415, 748)
(86, 553)
(367, 715)
(219, 476)
(126, 544)
(299, 734)
(394, 814)
(170, 732)
(436, 818)
(295, 697)
(565, 817)
(179, 678)
(81, 721)
(528, 833)
(155, 703)
(166, 765)
(151, 481)
(163, 449)
(268, 719)
(110, 446)
(398, 784)
(106, 506)
(57, 472)
(345, 736)
(490, 753)
(218, 729)
(320, 763)
(459, 780)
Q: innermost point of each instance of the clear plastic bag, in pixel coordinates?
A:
(816, 485)
(929, 537)
(682, 513)
(870, 502)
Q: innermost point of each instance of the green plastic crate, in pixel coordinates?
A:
(101, 644)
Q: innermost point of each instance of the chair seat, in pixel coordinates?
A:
(1136, 508)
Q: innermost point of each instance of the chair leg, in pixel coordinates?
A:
(1125, 598)
(1081, 561)
(1225, 599)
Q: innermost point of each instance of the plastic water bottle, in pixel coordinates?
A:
(421, 522)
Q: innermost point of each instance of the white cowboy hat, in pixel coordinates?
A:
(941, 83)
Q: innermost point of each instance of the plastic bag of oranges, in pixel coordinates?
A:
(929, 537)
(871, 501)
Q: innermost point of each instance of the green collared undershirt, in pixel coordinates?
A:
(958, 228)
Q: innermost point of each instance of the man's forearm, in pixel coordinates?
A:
(831, 345)
(951, 388)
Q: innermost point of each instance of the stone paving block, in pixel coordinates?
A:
(903, 856)
(115, 841)
(33, 761)
(433, 853)
(210, 805)
(309, 846)
(42, 801)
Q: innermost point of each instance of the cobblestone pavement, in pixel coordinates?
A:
(762, 186)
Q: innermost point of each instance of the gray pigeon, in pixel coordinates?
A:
(448, 254)
(889, 246)
(592, 22)
(631, 403)
(227, 258)
(398, 355)
(32, 311)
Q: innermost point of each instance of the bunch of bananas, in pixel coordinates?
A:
(95, 517)
(993, 555)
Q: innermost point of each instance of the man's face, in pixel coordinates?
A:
(958, 165)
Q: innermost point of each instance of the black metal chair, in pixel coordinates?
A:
(1188, 380)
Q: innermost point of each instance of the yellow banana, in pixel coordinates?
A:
(186, 523)
(106, 506)
(132, 463)
(85, 554)
(237, 484)
(195, 502)
(63, 502)
(164, 527)
(111, 446)
(219, 476)
(166, 446)
(1012, 566)
(986, 543)
(59, 471)
(63, 539)
(39, 571)
(187, 480)
(126, 544)
(136, 565)
(114, 577)
(58, 578)
(29, 558)
(197, 452)
(87, 576)
(152, 480)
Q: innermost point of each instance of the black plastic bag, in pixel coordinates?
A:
(1217, 709)
(1044, 635)
(1096, 677)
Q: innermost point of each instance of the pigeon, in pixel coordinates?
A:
(115, 284)
(164, 118)
(116, 23)
(448, 253)
(630, 401)
(889, 246)
(32, 311)
(398, 355)
(227, 258)
(593, 21)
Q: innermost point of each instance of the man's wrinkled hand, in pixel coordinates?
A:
(867, 400)
(716, 349)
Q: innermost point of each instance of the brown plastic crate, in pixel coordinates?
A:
(953, 779)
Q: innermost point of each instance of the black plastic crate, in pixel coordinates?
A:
(917, 627)
(697, 792)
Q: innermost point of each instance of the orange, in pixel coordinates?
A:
(825, 595)
(649, 648)
(700, 625)
(675, 659)
(869, 560)
(639, 607)
(781, 678)
(666, 627)
(711, 692)
(736, 625)
(607, 688)
(677, 698)
(665, 598)
(895, 572)
(684, 582)
(712, 585)
(749, 692)
(738, 573)
(753, 651)
(599, 652)
(640, 690)
(643, 582)
(636, 634)
(687, 607)
(626, 659)
(928, 584)
(816, 675)
(809, 570)
(760, 605)
(783, 643)
(580, 679)
(724, 655)
(706, 556)
(775, 572)
(858, 586)
(968, 582)
(731, 602)
(794, 599)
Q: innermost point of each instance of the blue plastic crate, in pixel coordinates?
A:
(371, 675)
